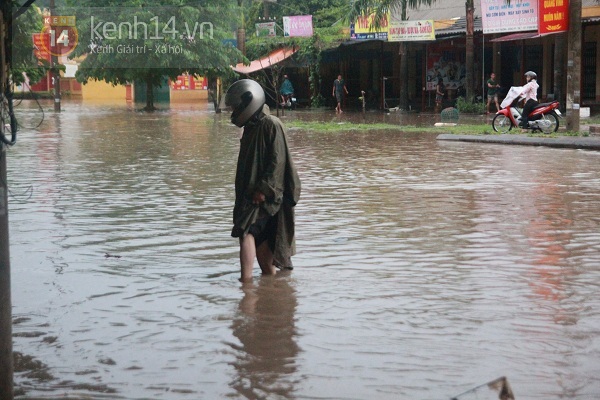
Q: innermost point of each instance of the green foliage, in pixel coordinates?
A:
(469, 106)
(326, 13)
(171, 37)
(22, 58)
(309, 53)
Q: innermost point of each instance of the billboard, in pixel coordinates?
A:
(364, 28)
(553, 16)
(300, 25)
(265, 29)
(406, 31)
(499, 17)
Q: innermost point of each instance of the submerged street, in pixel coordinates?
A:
(424, 268)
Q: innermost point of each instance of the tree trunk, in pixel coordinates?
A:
(403, 51)
(403, 76)
(470, 54)
(574, 66)
(149, 95)
(241, 40)
(560, 42)
(6, 348)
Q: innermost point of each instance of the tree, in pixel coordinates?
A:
(325, 12)
(574, 66)
(469, 49)
(22, 55)
(134, 40)
(380, 8)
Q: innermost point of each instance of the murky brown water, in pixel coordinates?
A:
(424, 269)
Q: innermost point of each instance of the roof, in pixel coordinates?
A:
(450, 15)
(457, 25)
(273, 58)
(517, 36)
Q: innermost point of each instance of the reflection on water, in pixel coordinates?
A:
(265, 328)
(424, 268)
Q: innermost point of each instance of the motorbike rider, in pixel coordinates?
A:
(529, 94)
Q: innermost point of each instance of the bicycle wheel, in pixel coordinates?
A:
(501, 123)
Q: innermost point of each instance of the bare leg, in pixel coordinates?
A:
(247, 255)
(265, 259)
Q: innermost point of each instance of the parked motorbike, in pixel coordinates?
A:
(544, 117)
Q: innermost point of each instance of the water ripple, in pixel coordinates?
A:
(423, 269)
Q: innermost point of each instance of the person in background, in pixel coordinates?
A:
(267, 186)
(286, 91)
(529, 94)
(439, 93)
(339, 90)
(492, 92)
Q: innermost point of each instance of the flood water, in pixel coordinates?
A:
(424, 268)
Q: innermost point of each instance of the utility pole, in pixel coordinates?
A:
(55, 71)
(574, 66)
(6, 350)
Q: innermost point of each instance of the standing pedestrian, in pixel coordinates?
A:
(492, 92)
(439, 93)
(267, 186)
(339, 90)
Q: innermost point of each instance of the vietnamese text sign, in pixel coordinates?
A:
(498, 16)
(364, 28)
(41, 44)
(300, 25)
(405, 31)
(553, 16)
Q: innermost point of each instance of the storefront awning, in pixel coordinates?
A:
(517, 36)
(266, 62)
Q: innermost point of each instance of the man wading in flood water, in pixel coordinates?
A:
(267, 186)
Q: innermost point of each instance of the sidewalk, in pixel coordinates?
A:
(569, 142)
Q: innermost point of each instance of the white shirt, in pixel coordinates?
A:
(530, 90)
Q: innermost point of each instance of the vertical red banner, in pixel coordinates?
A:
(41, 44)
(553, 16)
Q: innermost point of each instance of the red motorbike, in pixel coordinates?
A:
(544, 117)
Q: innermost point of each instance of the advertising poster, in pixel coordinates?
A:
(265, 29)
(300, 25)
(407, 31)
(499, 17)
(439, 66)
(189, 82)
(364, 28)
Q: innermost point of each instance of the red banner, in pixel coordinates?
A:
(189, 82)
(41, 44)
(553, 16)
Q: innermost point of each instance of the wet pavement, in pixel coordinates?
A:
(424, 267)
(564, 142)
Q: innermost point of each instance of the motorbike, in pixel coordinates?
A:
(289, 101)
(544, 117)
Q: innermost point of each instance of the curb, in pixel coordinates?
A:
(586, 143)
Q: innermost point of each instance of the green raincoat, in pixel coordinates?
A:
(286, 88)
(265, 165)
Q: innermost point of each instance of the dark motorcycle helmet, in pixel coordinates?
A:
(245, 97)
